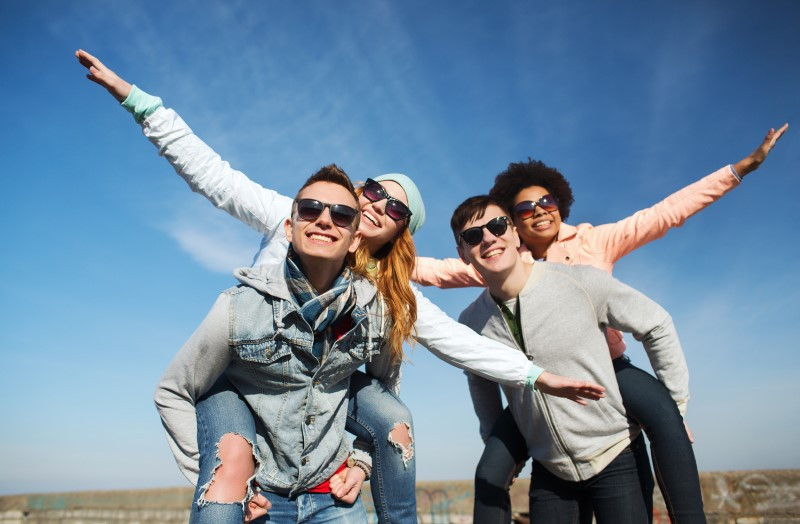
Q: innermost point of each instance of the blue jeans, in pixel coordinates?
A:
(504, 455)
(648, 402)
(319, 508)
(614, 495)
(373, 411)
(220, 411)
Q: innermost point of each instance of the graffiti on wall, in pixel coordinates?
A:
(754, 493)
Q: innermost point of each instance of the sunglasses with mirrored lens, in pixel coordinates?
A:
(474, 235)
(526, 209)
(395, 209)
(309, 210)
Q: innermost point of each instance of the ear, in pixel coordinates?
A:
(354, 242)
(515, 235)
(461, 254)
(287, 228)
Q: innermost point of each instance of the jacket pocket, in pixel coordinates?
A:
(612, 416)
(265, 351)
(362, 349)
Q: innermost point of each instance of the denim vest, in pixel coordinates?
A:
(299, 402)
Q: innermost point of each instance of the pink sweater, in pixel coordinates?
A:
(598, 246)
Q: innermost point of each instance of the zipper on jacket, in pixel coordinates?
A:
(508, 329)
(547, 413)
(557, 435)
(546, 408)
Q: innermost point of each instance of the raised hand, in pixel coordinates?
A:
(575, 390)
(752, 161)
(101, 75)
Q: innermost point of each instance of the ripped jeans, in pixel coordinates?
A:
(373, 413)
(222, 410)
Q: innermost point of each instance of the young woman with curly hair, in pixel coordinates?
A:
(540, 199)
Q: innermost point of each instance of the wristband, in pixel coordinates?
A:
(360, 464)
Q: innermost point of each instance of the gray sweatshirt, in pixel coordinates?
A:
(563, 310)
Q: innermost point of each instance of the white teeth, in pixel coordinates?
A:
(537, 224)
(492, 253)
(370, 218)
(321, 238)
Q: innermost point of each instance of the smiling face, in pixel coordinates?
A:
(539, 231)
(320, 240)
(376, 228)
(494, 254)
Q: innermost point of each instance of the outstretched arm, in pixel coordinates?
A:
(445, 273)
(488, 404)
(575, 390)
(198, 164)
(753, 161)
(462, 347)
(103, 76)
(448, 273)
(618, 239)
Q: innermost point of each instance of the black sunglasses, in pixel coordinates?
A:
(474, 235)
(395, 208)
(309, 210)
(527, 208)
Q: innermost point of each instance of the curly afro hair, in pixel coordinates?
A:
(519, 175)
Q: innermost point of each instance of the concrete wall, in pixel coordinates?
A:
(166, 506)
(742, 497)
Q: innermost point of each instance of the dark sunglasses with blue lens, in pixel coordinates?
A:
(474, 235)
(309, 210)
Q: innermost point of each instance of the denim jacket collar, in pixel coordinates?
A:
(271, 280)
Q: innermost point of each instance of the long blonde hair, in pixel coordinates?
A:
(396, 262)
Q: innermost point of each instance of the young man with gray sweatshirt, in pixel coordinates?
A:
(584, 457)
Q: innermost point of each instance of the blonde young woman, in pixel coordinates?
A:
(391, 212)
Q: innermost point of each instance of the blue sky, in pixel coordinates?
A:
(110, 262)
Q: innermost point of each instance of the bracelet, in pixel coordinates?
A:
(360, 464)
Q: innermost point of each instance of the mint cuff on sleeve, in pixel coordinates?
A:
(140, 104)
(533, 376)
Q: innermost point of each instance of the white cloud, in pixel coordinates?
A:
(213, 239)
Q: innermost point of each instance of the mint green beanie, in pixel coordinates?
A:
(415, 203)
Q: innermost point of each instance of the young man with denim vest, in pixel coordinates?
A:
(584, 457)
(288, 338)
